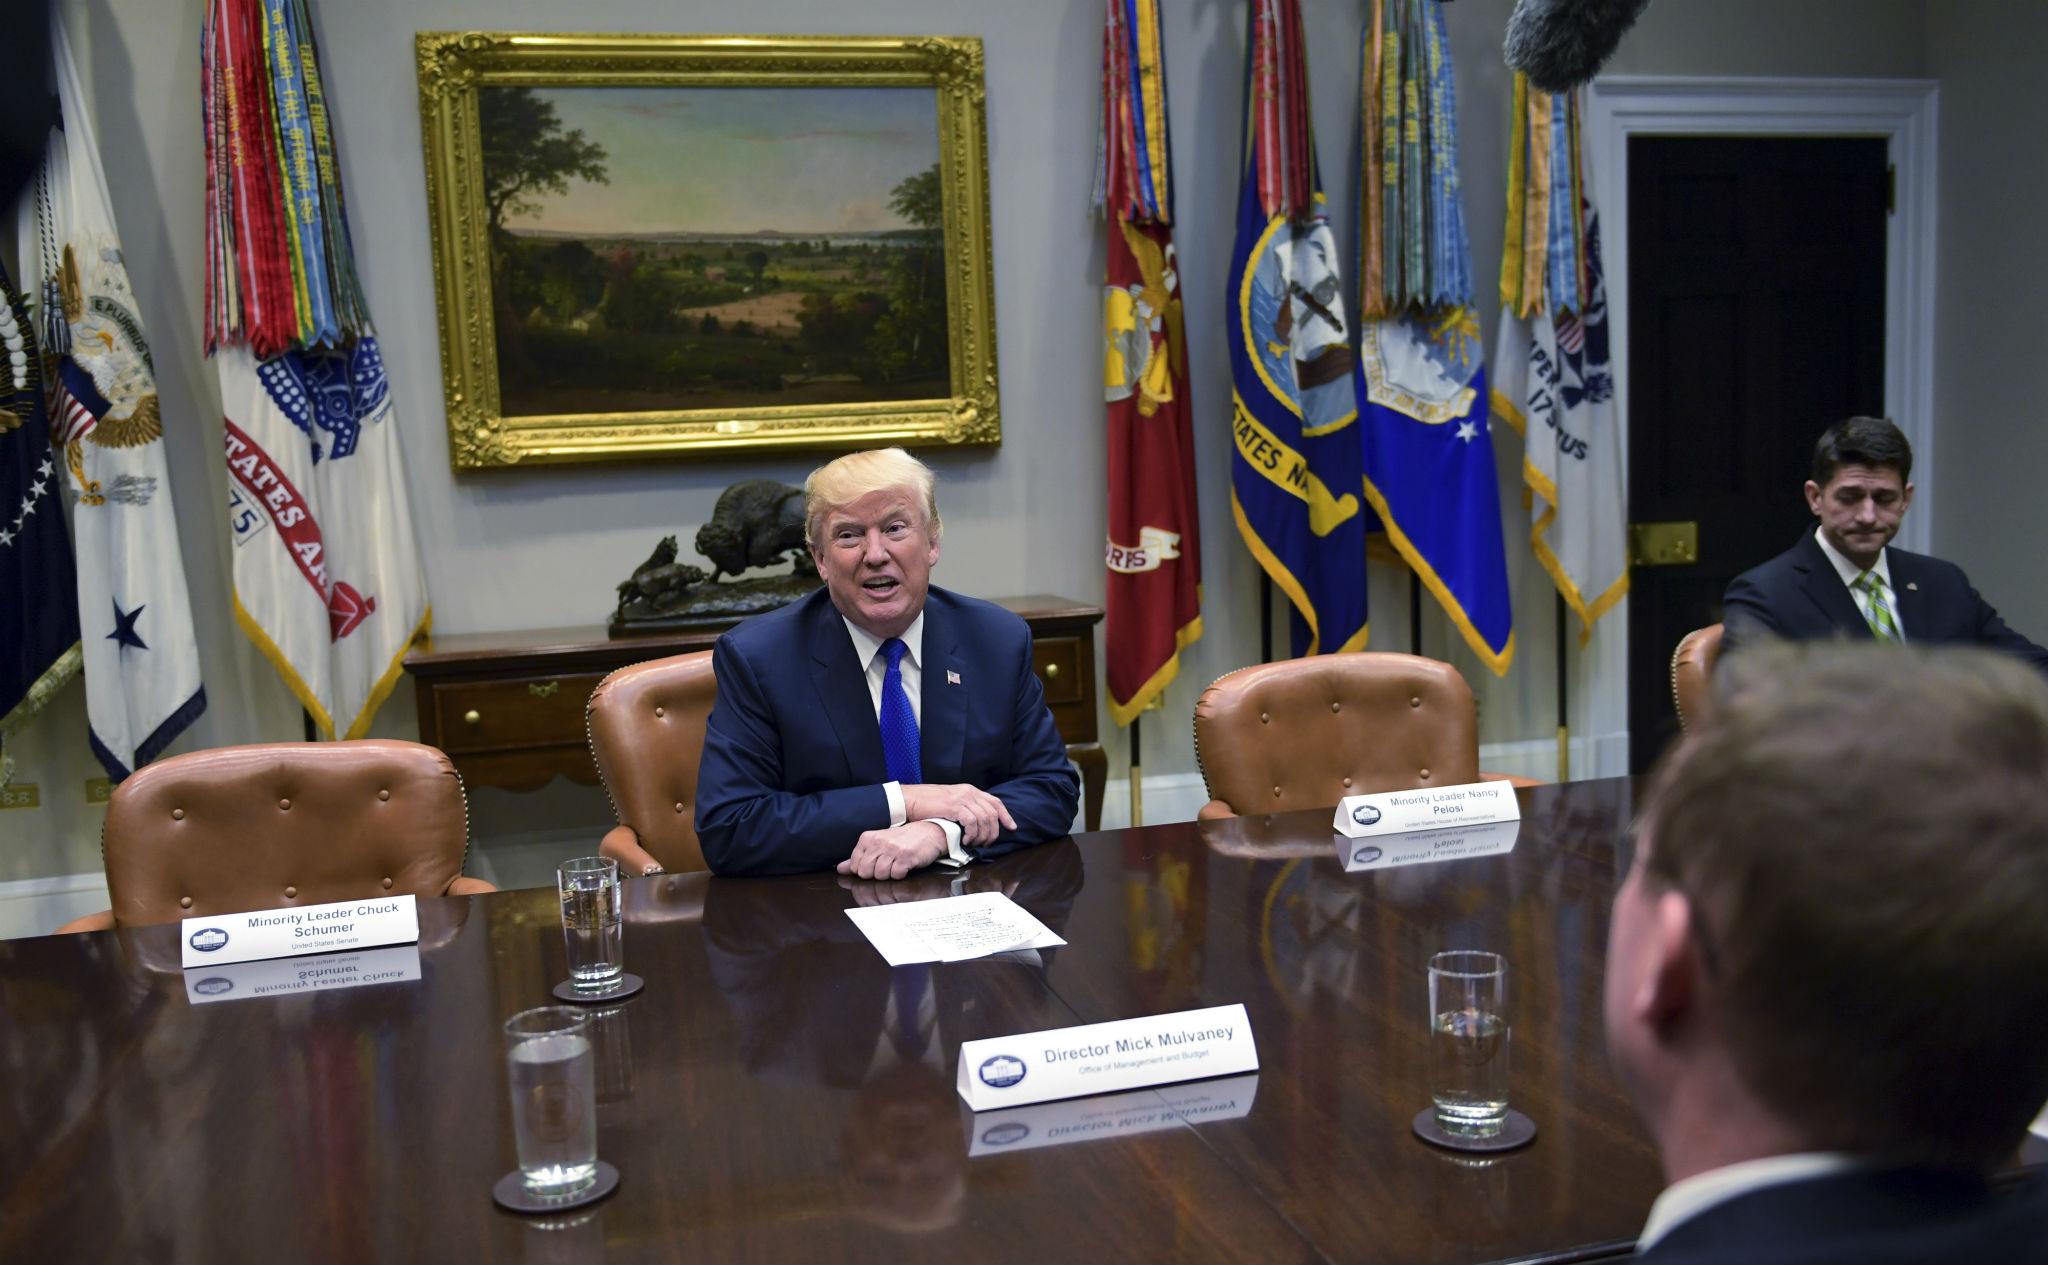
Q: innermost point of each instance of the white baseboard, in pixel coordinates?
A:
(38, 906)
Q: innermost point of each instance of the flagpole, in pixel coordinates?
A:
(1137, 795)
(1265, 617)
(1564, 733)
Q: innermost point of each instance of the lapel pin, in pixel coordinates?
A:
(1912, 586)
(952, 677)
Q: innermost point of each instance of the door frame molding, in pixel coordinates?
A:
(1904, 113)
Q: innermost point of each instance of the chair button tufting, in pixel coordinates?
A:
(1276, 792)
(284, 805)
(387, 884)
(291, 893)
(679, 805)
(1264, 718)
(384, 794)
(177, 814)
(1334, 706)
(184, 902)
(658, 712)
(1425, 773)
(1347, 781)
(1415, 702)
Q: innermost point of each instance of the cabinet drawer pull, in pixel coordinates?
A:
(472, 716)
(543, 691)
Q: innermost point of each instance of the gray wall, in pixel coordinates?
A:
(1992, 280)
(544, 547)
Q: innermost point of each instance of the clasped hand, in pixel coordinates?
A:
(981, 815)
(896, 851)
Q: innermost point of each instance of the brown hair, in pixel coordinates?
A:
(847, 479)
(1863, 832)
(1862, 441)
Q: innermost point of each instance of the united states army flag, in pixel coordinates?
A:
(141, 658)
(327, 578)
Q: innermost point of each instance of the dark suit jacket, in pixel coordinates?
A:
(1903, 1216)
(1797, 595)
(793, 770)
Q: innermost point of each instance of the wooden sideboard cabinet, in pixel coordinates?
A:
(508, 707)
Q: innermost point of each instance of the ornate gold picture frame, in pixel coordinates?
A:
(689, 245)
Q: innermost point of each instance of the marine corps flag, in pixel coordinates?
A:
(327, 576)
(39, 649)
(1422, 400)
(1154, 554)
(1297, 478)
(135, 617)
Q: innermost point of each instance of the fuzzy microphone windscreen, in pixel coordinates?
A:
(1560, 44)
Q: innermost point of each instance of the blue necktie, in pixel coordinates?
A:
(900, 747)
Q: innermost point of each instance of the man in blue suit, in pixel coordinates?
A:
(1827, 969)
(878, 725)
(1841, 579)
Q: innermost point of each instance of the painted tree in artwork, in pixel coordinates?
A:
(526, 153)
(909, 341)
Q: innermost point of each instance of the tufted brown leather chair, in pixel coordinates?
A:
(1304, 733)
(1692, 672)
(646, 725)
(277, 825)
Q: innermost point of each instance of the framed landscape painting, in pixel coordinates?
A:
(685, 245)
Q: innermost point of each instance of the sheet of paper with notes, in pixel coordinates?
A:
(951, 929)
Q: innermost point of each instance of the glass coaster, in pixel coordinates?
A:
(1516, 1130)
(511, 1193)
(628, 985)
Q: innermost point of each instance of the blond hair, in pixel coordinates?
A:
(858, 474)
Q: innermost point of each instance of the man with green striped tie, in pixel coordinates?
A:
(1844, 580)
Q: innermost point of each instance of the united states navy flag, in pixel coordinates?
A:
(38, 587)
(1296, 478)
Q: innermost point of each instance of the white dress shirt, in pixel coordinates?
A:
(1849, 571)
(867, 650)
(1686, 1199)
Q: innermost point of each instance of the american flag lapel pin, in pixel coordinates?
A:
(1914, 587)
(952, 677)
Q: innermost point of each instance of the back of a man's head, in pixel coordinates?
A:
(1863, 833)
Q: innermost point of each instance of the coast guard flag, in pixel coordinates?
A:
(1296, 479)
(1154, 554)
(38, 588)
(1429, 472)
(141, 658)
(327, 580)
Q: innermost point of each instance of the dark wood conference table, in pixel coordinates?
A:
(766, 1098)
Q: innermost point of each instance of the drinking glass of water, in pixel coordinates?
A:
(1468, 1042)
(591, 927)
(549, 1065)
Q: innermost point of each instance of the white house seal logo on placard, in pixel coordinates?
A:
(1001, 1071)
(1008, 1133)
(207, 939)
(213, 986)
(1365, 814)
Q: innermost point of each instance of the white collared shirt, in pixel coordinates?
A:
(867, 651)
(1683, 1200)
(1849, 572)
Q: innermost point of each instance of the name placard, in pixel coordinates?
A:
(1111, 1115)
(1432, 808)
(1103, 1058)
(235, 981)
(1423, 847)
(283, 933)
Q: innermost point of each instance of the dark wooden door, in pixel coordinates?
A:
(1756, 276)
